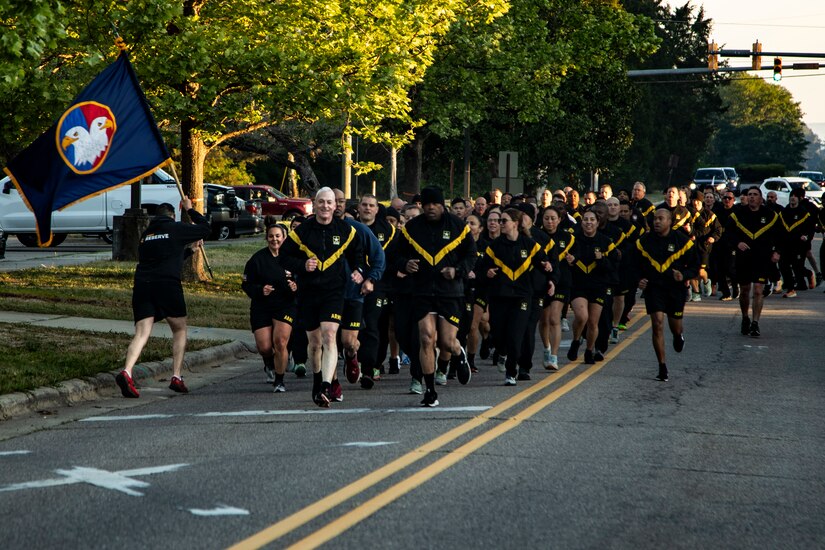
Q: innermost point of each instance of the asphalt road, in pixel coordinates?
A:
(728, 454)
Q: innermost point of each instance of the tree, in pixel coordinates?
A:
(214, 70)
(761, 124)
(675, 115)
(509, 85)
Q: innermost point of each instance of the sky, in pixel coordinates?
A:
(781, 26)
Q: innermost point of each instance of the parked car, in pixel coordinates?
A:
(783, 186)
(733, 177)
(250, 220)
(715, 178)
(817, 177)
(275, 203)
(221, 210)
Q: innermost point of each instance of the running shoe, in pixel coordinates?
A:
(270, 375)
(322, 398)
(462, 367)
(727, 298)
(430, 399)
(767, 289)
(279, 387)
(351, 368)
(707, 288)
(547, 359)
(395, 366)
(522, 376)
(416, 387)
(565, 326)
(405, 360)
(440, 378)
(573, 352)
(754, 331)
(678, 342)
(367, 383)
(662, 377)
(126, 385)
(553, 364)
(746, 325)
(589, 358)
(300, 370)
(336, 392)
(598, 355)
(177, 385)
(695, 296)
(376, 374)
(484, 349)
(622, 326)
(790, 294)
(614, 335)
(510, 381)
(502, 364)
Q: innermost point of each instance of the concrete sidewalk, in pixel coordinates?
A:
(241, 345)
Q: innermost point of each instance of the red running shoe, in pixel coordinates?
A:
(336, 392)
(177, 385)
(126, 385)
(352, 369)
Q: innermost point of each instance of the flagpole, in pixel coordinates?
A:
(183, 196)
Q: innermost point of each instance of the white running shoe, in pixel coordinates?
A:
(565, 326)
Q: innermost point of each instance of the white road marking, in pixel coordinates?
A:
(12, 453)
(117, 481)
(288, 412)
(368, 443)
(755, 347)
(221, 510)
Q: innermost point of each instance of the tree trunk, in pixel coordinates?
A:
(413, 166)
(193, 155)
(393, 172)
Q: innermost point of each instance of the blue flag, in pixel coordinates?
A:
(105, 139)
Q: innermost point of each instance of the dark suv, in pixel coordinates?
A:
(221, 210)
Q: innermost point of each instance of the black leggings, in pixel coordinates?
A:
(508, 322)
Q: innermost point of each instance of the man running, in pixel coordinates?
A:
(158, 293)
(666, 260)
(319, 252)
(437, 251)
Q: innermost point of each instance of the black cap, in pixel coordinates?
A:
(527, 208)
(432, 195)
(391, 212)
(415, 199)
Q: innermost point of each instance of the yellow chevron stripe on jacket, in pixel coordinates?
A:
(392, 234)
(326, 264)
(680, 223)
(795, 225)
(747, 232)
(592, 265)
(513, 275)
(661, 268)
(651, 208)
(433, 261)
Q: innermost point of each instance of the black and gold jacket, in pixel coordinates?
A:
(760, 230)
(703, 225)
(681, 217)
(516, 262)
(655, 258)
(586, 270)
(335, 245)
(387, 236)
(558, 245)
(796, 222)
(446, 242)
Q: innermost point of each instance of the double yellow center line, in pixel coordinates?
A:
(396, 491)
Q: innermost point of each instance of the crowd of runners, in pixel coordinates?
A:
(443, 287)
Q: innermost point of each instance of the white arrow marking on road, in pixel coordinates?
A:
(368, 443)
(12, 453)
(117, 481)
(221, 510)
(421, 410)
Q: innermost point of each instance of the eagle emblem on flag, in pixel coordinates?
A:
(84, 135)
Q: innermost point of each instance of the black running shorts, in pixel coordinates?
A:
(265, 316)
(158, 300)
(320, 306)
(353, 315)
(450, 309)
(670, 300)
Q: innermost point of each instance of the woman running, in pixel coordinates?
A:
(561, 242)
(271, 290)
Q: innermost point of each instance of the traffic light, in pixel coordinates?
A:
(756, 63)
(777, 68)
(713, 56)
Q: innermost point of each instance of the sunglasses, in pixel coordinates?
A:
(727, 198)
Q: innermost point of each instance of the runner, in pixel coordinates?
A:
(319, 252)
(272, 310)
(157, 292)
(561, 242)
(437, 251)
(666, 260)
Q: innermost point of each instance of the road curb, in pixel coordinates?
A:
(78, 390)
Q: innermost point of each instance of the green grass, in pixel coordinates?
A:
(38, 356)
(103, 289)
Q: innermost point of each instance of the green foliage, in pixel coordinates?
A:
(674, 115)
(761, 124)
(223, 169)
